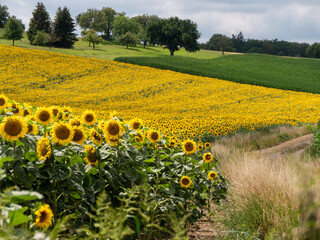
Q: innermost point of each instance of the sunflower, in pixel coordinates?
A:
(55, 110)
(153, 136)
(12, 128)
(135, 123)
(32, 129)
(67, 113)
(185, 182)
(44, 149)
(91, 157)
(89, 117)
(62, 133)
(207, 145)
(189, 147)
(112, 129)
(3, 102)
(172, 143)
(75, 122)
(79, 135)
(207, 157)
(43, 216)
(26, 112)
(16, 110)
(96, 137)
(212, 175)
(44, 116)
(200, 147)
(139, 137)
(113, 141)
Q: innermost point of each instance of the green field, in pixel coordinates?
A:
(296, 74)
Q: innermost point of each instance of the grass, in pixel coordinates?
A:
(297, 74)
(109, 50)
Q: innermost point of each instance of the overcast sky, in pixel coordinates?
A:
(290, 20)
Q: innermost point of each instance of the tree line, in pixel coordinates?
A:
(107, 24)
(172, 33)
(237, 43)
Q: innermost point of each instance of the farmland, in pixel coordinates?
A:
(174, 103)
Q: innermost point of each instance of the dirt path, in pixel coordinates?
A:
(294, 146)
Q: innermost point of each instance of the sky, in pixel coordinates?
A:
(289, 20)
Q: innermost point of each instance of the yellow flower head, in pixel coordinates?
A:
(153, 136)
(55, 110)
(207, 157)
(207, 145)
(13, 128)
(3, 102)
(185, 182)
(75, 122)
(91, 157)
(32, 129)
(44, 149)
(212, 175)
(112, 129)
(89, 117)
(44, 116)
(43, 216)
(139, 137)
(135, 123)
(96, 137)
(189, 147)
(62, 133)
(26, 112)
(79, 135)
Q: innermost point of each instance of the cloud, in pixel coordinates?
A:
(292, 20)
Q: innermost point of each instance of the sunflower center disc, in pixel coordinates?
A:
(89, 118)
(44, 116)
(189, 146)
(63, 132)
(2, 101)
(113, 129)
(185, 181)
(13, 128)
(77, 135)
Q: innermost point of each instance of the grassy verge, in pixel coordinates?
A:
(295, 74)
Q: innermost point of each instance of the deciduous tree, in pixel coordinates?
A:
(13, 30)
(4, 15)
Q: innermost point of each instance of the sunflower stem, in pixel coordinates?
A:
(45, 131)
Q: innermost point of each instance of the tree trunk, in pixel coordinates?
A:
(171, 52)
(89, 44)
(94, 46)
(144, 44)
(12, 42)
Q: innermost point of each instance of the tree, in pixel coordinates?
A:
(92, 37)
(238, 42)
(42, 38)
(99, 20)
(174, 33)
(63, 29)
(220, 42)
(39, 22)
(123, 24)
(4, 15)
(314, 50)
(13, 30)
(128, 39)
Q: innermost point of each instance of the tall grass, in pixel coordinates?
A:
(268, 198)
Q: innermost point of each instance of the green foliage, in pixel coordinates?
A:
(174, 33)
(41, 39)
(92, 37)
(314, 50)
(40, 21)
(128, 39)
(220, 42)
(257, 69)
(123, 24)
(315, 148)
(13, 30)
(4, 15)
(63, 29)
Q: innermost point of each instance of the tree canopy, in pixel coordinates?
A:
(13, 30)
(40, 21)
(63, 29)
(174, 33)
(4, 15)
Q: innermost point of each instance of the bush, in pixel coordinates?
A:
(41, 39)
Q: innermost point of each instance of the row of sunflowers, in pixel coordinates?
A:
(70, 161)
(179, 105)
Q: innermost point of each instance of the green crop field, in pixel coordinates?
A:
(298, 74)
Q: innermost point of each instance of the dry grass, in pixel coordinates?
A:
(265, 194)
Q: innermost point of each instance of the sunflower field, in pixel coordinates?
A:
(179, 105)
